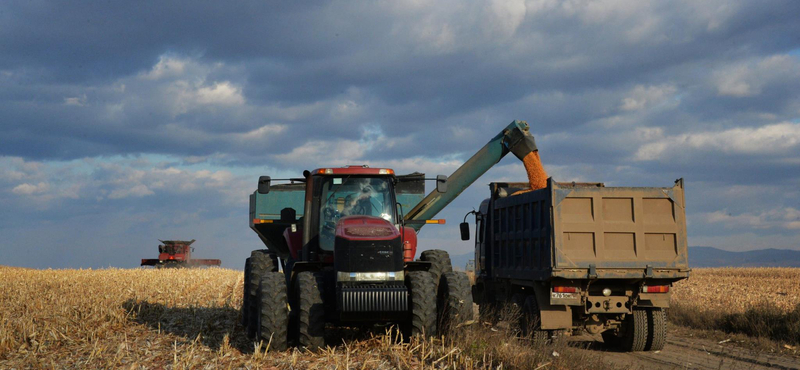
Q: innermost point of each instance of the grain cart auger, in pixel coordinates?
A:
(346, 251)
(178, 253)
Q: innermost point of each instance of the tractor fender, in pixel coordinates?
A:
(418, 266)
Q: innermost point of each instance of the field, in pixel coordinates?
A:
(175, 318)
(759, 302)
(170, 318)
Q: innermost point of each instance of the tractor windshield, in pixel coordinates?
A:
(351, 195)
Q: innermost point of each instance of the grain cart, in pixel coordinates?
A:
(581, 257)
(345, 240)
(178, 253)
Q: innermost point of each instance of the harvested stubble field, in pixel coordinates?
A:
(171, 318)
(758, 302)
(188, 319)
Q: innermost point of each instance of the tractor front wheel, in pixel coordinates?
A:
(273, 313)
(423, 304)
(310, 315)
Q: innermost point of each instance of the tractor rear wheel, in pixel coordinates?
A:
(245, 294)
(454, 301)
(261, 262)
(273, 314)
(657, 329)
(635, 328)
(440, 263)
(309, 288)
(423, 304)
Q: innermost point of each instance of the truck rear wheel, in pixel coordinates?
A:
(245, 294)
(310, 310)
(635, 326)
(454, 301)
(440, 263)
(423, 304)
(273, 314)
(531, 322)
(261, 262)
(657, 329)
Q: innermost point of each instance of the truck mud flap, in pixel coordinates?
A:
(372, 298)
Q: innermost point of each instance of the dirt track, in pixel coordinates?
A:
(691, 353)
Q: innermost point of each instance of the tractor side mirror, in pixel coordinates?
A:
(441, 183)
(263, 184)
(464, 230)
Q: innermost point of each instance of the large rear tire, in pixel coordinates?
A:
(245, 294)
(261, 262)
(423, 304)
(454, 301)
(636, 333)
(531, 322)
(273, 313)
(657, 329)
(440, 263)
(309, 288)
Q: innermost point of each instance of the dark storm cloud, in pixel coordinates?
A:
(161, 114)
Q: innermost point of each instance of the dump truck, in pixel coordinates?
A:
(341, 248)
(581, 256)
(177, 253)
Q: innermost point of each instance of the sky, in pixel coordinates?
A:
(127, 122)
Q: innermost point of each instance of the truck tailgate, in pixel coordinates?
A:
(619, 231)
(580, 231)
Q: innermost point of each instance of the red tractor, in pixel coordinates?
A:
(341, 251)
(177, 253)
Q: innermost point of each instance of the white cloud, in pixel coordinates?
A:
(769, 139)
(167, 66)
(78, 101)
(746, 79)
(646, 96)
(222, 93)
(137, 191)
(783, 218)
(31, 189)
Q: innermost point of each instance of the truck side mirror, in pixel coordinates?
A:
(441, 183)
(464, 230)
(263, 184)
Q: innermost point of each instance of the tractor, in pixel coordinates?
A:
(341, 251)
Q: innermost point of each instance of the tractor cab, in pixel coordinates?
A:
(353, 192)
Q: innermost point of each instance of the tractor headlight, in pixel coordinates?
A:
(370, 276)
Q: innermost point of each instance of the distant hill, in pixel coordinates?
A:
(714, 257)
(710, 257)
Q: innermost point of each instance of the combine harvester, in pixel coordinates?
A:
(178, 253)
(345, 240)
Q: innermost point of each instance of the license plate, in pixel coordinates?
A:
(563, 295)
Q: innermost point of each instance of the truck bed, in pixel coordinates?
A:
(580, 231)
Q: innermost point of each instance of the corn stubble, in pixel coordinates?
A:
(188, 319)
(758, 302)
